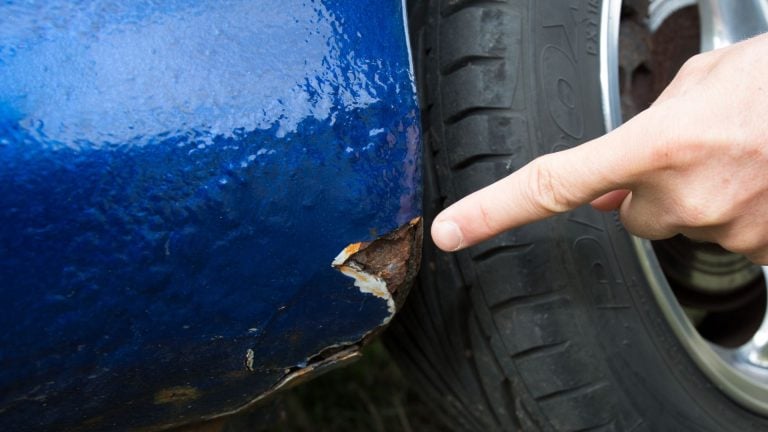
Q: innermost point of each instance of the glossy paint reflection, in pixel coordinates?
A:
(139, 70)
(176, 179)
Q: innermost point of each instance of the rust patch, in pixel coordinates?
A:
(352, 249)
(393, 258)
(176, 395)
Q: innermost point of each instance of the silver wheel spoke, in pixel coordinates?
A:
(660, 10)
(726, 22)
(755, 352)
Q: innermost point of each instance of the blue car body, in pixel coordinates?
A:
(176, 180)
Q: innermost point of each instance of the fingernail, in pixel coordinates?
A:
(447, 235)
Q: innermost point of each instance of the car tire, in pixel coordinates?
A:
(551, 326)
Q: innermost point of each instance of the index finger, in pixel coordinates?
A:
(550, 184)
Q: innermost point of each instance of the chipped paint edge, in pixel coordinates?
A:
(365, 282)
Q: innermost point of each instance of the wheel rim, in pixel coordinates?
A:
(741, 371)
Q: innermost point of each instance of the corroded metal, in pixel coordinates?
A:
(393, 259)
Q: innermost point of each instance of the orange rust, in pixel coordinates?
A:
(353, 248)
(393, 257)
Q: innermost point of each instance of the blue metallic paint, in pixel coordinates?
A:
(175, 179)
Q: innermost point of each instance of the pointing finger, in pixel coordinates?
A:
(551, 184)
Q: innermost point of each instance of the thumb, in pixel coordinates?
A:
(610, 201)
(548, 185)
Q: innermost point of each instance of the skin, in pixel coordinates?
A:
(694, 163)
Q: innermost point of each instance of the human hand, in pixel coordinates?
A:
(694, 163)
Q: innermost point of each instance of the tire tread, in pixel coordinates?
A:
(477, 130)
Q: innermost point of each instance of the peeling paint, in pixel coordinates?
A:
(386, 266)
(249, 355)
(367, 283)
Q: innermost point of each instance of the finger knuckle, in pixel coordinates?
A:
(669, 150)
(695, 65)
(489, 223)
(698, 211)
(546, 191)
